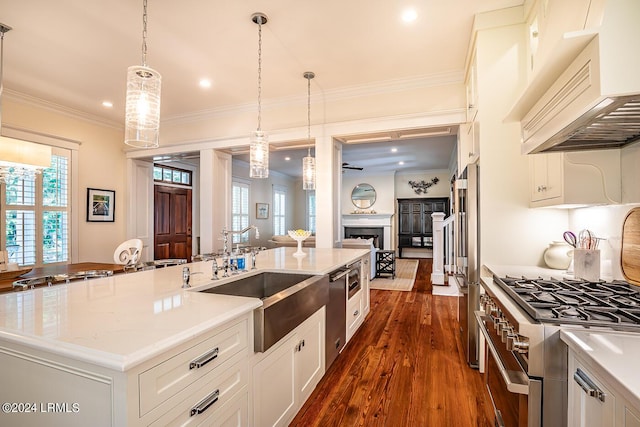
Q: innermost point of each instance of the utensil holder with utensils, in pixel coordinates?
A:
(586, 264)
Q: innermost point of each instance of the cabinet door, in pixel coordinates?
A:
(416, 218)
(546, 176)
(404, 210)
(274, 386)
(586, 410)
(309, 357)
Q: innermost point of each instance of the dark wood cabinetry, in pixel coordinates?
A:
(415, 226)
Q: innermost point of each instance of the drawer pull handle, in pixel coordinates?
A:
(204, 404)
(587, 385)
(355, 313)
(204, 359)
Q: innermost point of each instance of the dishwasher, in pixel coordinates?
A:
(336, 315)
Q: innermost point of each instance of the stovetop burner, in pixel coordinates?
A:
(576, 301)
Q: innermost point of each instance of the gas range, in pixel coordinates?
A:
(520, 318)
(613, 304)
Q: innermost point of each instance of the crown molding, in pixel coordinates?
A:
(350, 92)
(53, 107)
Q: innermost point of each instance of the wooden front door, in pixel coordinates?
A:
(172, 223)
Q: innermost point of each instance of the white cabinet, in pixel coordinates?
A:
(593, 400)
(574, 179)
(355, 314)
(284, 376)
(468, 135)
(546, 177)
(365, 278)
(201, 381)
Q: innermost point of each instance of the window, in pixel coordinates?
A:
(36, 214)
(239, 211)
(171, 175)
(279, 210)
(311, 211)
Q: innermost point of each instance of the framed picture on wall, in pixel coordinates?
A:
(262, 210)
(101, 205)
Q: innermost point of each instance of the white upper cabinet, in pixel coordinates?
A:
(574, 179)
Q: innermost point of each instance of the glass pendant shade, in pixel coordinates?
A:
(308, 173)
(142, 120)
(259, 155)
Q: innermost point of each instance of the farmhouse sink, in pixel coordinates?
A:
(288, 299)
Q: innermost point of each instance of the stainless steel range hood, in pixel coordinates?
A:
(595, 103)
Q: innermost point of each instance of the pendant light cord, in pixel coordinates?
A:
(1, 72)
(144, 33)
(309, 115)
(259, 71)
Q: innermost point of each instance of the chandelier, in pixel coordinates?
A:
(142, 117)
(18, 159)
(259, 143)
(309, 163)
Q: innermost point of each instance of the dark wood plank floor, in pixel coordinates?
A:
(404, 367)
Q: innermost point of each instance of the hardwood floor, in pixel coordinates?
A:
(404, 367)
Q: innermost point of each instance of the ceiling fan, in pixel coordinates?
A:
(348, 166)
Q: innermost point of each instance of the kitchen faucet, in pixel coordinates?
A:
(186, 277)
(225, 236)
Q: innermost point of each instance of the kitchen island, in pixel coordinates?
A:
(110, 351)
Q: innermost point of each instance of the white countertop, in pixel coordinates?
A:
(616, 353)
(120, 321)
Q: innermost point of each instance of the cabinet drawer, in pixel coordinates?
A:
(169, 377)
(355, 314)
(219, 399)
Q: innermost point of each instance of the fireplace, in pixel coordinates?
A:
(375, 233)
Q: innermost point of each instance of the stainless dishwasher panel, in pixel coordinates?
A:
(336, 315)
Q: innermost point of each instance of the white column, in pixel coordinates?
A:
(215, 198)
(327, 194)
(437, 276)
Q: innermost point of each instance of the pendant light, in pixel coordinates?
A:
(259, 143)
(309, 163)
(142, 119)
(18, 159)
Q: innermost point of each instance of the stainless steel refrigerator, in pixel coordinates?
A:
(467, 238)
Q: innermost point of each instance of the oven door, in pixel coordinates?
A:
(516, 398)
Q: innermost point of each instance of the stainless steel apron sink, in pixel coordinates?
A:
(287, 300)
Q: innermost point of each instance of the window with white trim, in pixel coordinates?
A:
(239, 211)
(279, 210)
(36, 214)
(311, 211)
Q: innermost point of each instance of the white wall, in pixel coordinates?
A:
(383, 184)
(510, 232)
(101, 165)
(441, 189)
(605, 222)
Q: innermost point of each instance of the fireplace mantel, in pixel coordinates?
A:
(380, 220)
(369, 221)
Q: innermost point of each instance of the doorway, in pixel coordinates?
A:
(172, 222)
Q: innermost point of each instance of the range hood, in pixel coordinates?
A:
(595, 103)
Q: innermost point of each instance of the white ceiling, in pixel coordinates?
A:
(75, 53)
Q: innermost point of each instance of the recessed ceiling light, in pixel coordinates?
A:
(107, 104)
(409, 15)
(205, 83)
(287, 158)
(394, 150)
(401, 162)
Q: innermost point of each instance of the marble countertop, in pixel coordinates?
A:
(615, 353)
(120, 321)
